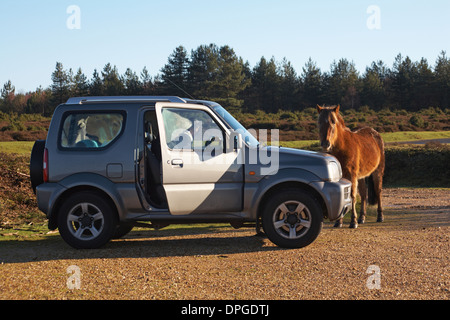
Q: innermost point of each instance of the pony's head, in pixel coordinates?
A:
(328, 120)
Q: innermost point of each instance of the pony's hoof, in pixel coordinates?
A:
(337, 225)
(362, 220)
(380, 219)
(353, 225)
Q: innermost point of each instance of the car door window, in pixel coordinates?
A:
(192, 130)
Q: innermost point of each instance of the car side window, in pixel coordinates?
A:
(90, 130)
(188, 129)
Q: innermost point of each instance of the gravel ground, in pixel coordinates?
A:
(406, 257)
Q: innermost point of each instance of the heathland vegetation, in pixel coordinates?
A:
(293, 125)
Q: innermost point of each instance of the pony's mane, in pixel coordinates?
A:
(338, 116)
(341, 121)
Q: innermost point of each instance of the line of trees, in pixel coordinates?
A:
(216, 73)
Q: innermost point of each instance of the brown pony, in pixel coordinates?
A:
(361, 154)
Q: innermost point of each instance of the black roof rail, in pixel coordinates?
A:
(85, 100)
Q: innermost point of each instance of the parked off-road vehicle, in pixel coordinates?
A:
(110, 163)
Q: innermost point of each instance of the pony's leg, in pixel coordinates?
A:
(378, 186)
(338, 223)
(363, 194)
(353, 222)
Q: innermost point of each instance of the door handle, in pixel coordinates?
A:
(177, 162)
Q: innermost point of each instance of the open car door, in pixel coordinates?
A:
(200, 173)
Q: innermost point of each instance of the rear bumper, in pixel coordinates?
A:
(337, 197)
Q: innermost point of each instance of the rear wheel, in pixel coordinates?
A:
(87, 221)
(292, 218)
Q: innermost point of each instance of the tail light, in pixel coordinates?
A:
(45, 166)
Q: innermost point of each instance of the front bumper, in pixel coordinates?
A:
(337, 196)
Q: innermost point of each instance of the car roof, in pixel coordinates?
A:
(135, 99)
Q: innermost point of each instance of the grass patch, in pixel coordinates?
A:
(387, 137)
(26, 232)
(299, 144)
(24, 147)
(18, 147)
(37, 231)
(414, 135)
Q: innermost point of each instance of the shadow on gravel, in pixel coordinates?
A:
(139, 244)
(204, 241)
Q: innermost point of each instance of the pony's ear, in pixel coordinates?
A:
(319, 108)
(337, 108)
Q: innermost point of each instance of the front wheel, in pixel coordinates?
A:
(86, 221)
(292, 218)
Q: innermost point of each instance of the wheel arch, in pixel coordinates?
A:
(291, 185)
(53, 219)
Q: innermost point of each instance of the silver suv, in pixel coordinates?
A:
(111, 163)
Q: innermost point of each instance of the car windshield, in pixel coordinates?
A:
(248, 138)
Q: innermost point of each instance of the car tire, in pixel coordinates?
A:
(87, 220)
(292, 218)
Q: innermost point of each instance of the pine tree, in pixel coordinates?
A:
(266, 82)
(71, 81)
(112, 84)
(203, 66)
(133, 85)
(403, 77)
(174, 74)
(372, 88)
(230, 79)
(290, 86)
(423, 94)
(312, 84)
(96, 85)
(442, 84)
(61, 85)
(343, 84)
(147, 83)
(80, 84)
(8, 90)
(7, 97)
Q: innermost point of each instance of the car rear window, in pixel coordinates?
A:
(90, 130)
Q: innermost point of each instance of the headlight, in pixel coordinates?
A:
(334, 171)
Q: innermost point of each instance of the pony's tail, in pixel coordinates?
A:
(372, 197)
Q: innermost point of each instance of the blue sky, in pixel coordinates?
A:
(136, 33)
